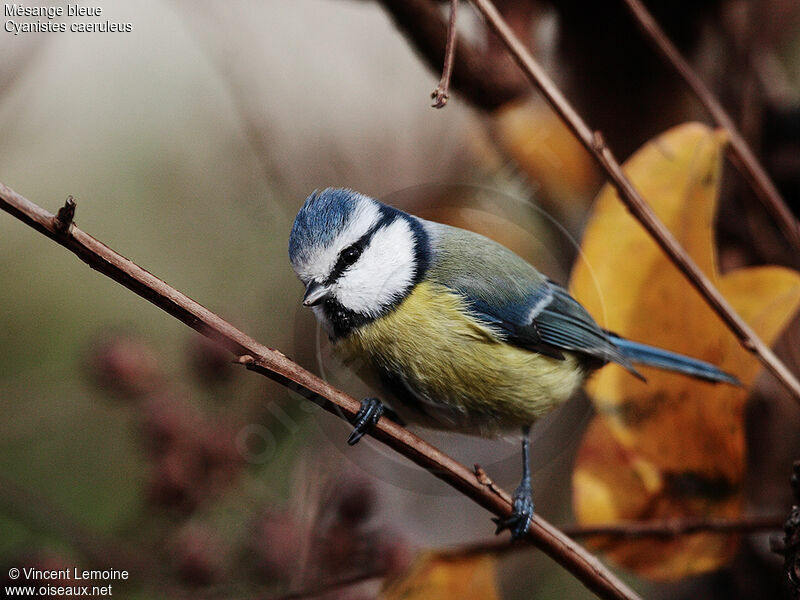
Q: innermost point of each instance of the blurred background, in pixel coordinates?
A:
(129, 442)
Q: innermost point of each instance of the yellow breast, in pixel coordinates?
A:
(458, 365)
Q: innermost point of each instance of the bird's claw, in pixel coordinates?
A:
(366, 418)
(521, 516)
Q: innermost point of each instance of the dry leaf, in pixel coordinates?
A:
(673, 446)
(437, 577)
(537, 140)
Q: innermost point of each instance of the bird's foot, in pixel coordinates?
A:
(366, 418)
(521, 516)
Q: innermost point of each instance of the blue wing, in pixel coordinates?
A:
(563, 322)
(503, 290)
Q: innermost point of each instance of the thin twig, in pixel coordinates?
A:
(327, 587)
(667, 529)
(442, 92)
(670, 528)
(740, 153)
(484, 79)
(278, 367)
(594, 143)
(662, 528)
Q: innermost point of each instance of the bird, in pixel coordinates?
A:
(457, 332)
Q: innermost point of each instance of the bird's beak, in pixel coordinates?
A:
(315, 293)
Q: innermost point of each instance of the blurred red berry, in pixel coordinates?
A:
(220, 460)
(199, 555)
(123, 365)
(174, 481)
(168, 420)
(393, 554)
(354, 499)
(209, 360)
(276, 542)
(193, 461)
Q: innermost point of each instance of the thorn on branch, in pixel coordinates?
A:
(749, 345)
(244, 359)
(486, 481)
(442, 92)
(598, 141)
(65, 215)
(251, 363)
(481, 475)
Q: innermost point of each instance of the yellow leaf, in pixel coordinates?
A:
(613, 484)
(438, 577)
(673, 446)
(537, 140)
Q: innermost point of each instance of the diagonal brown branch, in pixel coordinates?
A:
(670, 528)
(642, 211)
(327, 587)
(741, 155)
(661, 528)
(278, 367)
(666, 529)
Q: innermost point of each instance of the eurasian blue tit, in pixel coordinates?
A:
(464, 334)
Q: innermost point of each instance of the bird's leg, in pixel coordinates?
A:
(366, 418)
(522, 513)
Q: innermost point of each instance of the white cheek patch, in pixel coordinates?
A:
(383, 272)
(322, 260)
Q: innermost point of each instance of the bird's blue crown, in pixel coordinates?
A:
(323, 215)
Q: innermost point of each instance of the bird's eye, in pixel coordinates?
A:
(351, 254)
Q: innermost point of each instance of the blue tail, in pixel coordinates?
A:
(670, 361)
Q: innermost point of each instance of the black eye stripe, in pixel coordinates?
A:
(357, 248)
(347, 258)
